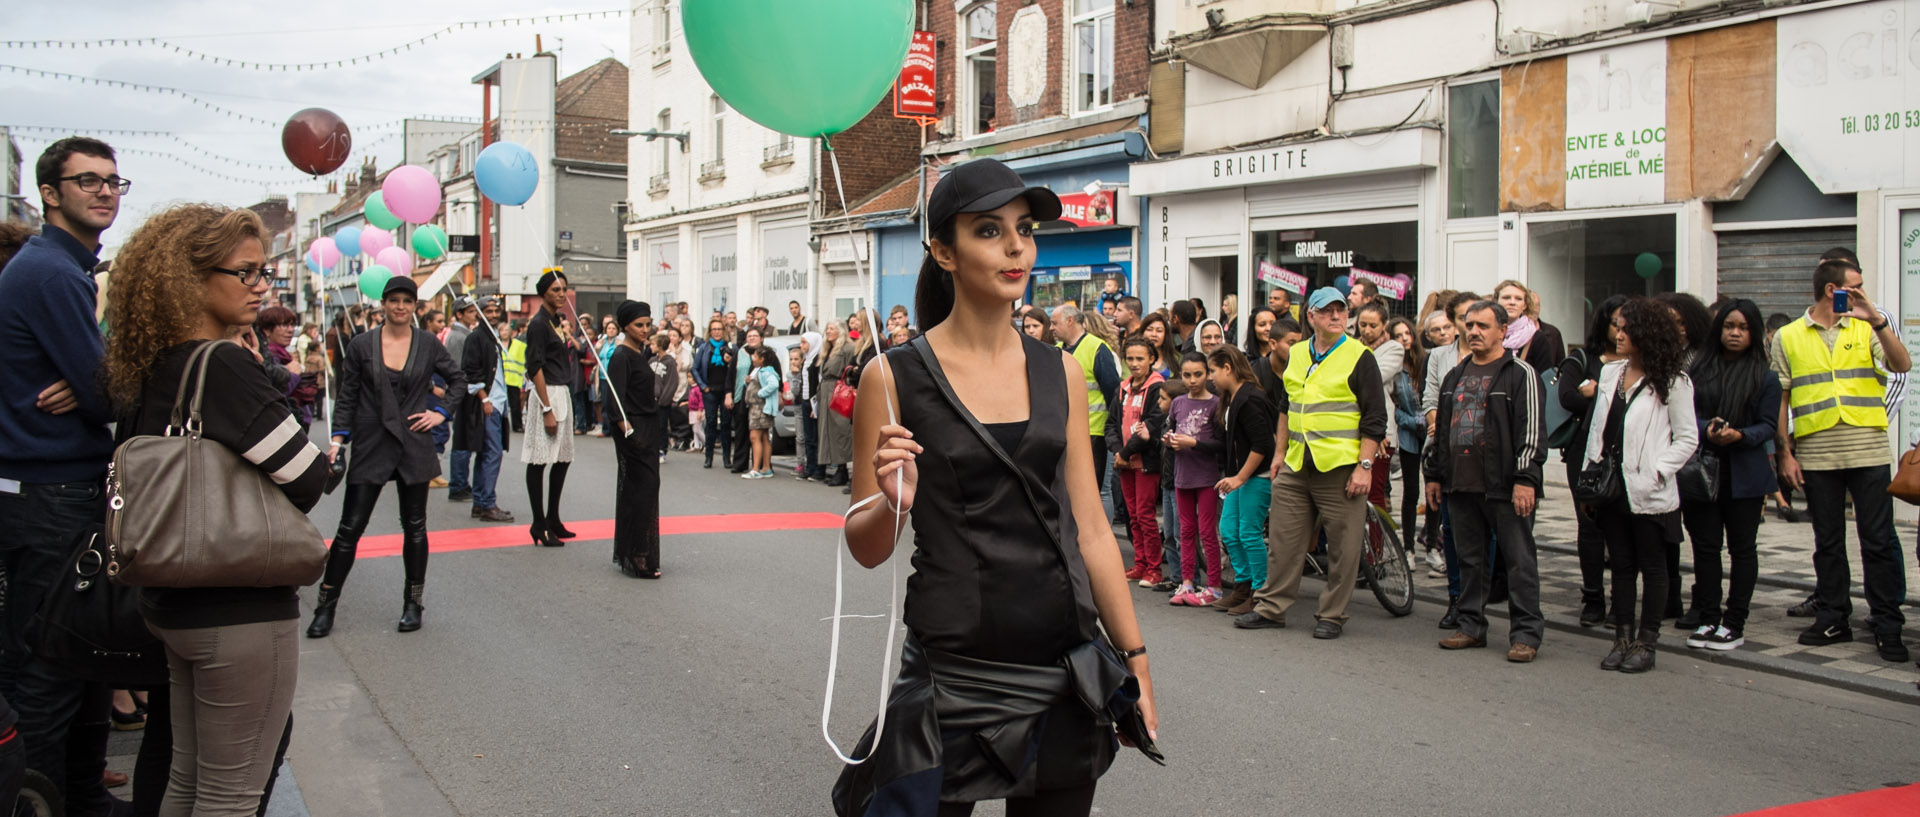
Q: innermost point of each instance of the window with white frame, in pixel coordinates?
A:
(977, 85)
(662, 151)
(662, 31)
(719, 129)
(1092, 54)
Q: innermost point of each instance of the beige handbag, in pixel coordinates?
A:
(183, 511)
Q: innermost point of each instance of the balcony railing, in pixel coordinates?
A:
(713, 171)
(778, 152)
(657, 184)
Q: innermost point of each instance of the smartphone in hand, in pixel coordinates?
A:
(1840, 303)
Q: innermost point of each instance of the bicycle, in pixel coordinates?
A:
(1383, 562)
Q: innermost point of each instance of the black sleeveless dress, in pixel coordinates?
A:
(994, 698)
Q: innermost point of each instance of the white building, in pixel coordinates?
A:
(719, 204)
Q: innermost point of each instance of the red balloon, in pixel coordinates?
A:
(316, 141)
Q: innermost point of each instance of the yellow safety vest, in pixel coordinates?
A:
(1323, 413)
(1086, 353)
(517, 363)
(1833, 386)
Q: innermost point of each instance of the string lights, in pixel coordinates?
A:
(323, 65)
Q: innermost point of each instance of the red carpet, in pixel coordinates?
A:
(509, 535)
(1900, 802)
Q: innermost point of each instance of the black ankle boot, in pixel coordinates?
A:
(1622, 641)
(1640, 654)
(323, 612)
(410, 609)
(1593, 612)
(1451, 621)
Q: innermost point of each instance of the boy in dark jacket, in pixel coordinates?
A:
(1484, 461)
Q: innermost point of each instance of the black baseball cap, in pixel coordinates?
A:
(400, 283)
(984, 185)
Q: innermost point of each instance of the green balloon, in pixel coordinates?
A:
(1646, 265)
(429, 242)
(376, 212)
(805, 69)
(373, 280)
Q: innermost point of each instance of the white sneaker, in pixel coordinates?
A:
(1435, 560)
(1700, 636)
(1724, 639)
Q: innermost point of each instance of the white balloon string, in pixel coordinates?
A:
(839, 553)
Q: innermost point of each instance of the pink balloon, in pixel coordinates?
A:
(395, 259)
(374, 239)
(323, 250)
(411, 193)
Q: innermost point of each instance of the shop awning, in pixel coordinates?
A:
(1250, 57)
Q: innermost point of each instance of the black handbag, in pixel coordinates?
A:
(1700, 478)
(91, 628)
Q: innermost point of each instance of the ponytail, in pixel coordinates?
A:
(933, 294)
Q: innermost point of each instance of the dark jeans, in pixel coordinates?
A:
(486, 473)
(810, 440)
(1449, 547)
(741, 448)
(513, 408)
(1477, 519)
(1880, 558)
(357, 508)
(63, 723)
(1738, 520)
(1591, 546)
(582, 409)
(1637, 548)
(719, 427)
(681, 430)
(1413, 491)
(459, 470)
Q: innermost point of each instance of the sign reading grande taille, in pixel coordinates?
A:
(1398, 150)
(1616, 137)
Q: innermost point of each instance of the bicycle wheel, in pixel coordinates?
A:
(1389, 574)
(38, 797)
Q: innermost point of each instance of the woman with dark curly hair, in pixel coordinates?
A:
(1694, 320)
(1643, 427)
(187, 278)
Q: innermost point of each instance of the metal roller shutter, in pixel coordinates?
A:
(1774, 268)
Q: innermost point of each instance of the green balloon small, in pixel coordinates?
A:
(1647, 265)
(429, 241)
(373, 280)
(376, 213)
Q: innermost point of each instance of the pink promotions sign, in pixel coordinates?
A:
(1392, 286)
(1283, 278)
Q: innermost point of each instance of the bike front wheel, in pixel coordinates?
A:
(1388, 572)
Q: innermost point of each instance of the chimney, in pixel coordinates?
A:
(367, 173)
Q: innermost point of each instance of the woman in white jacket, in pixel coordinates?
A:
(1643, 426)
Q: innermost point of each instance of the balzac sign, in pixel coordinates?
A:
(1271, 161)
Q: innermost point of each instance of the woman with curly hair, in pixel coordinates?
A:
(1643, 427)
(189, 277)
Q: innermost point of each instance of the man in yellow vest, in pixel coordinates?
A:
(1102, 371)
(1832, 365)
(1333, 415)
(516, 369)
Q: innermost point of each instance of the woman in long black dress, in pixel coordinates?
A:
(381, 407)
(1016, 571)
(631, 397)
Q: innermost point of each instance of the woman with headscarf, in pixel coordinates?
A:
(552, 364)
(805, 386)
(630, 397)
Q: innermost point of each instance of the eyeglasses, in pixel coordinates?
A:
(91, 182)
(249, 277)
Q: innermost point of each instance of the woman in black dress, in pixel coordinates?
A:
(1016, 571)
(381, 407)
(630, 396)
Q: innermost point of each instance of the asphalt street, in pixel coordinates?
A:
(545, 683)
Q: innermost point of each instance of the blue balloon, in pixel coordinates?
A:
(348, 240)
(312, 265)
(506, 173)
(1339, 283)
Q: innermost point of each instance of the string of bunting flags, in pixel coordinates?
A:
(161, 154)
(158, 42)
(139, 86)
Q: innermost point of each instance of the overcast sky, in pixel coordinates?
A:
(430, 80)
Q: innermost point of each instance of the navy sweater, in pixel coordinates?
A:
(48, 334)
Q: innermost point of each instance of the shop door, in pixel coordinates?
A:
(1774, 268)
(1211, 279)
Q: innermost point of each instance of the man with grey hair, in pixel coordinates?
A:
(1102, 371)
(466, 315)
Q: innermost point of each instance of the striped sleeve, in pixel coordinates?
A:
(245, 412)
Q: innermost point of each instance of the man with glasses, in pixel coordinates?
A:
(54, 448)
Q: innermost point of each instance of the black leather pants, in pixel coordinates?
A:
(357, 508)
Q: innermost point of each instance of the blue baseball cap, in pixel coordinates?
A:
(1325, 297)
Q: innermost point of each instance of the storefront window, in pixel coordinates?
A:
(1387, 255)
(1081, 285)
(1473, 150)
(1574, 265)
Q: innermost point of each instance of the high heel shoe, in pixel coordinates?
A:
(543, 537)
(560, 531)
